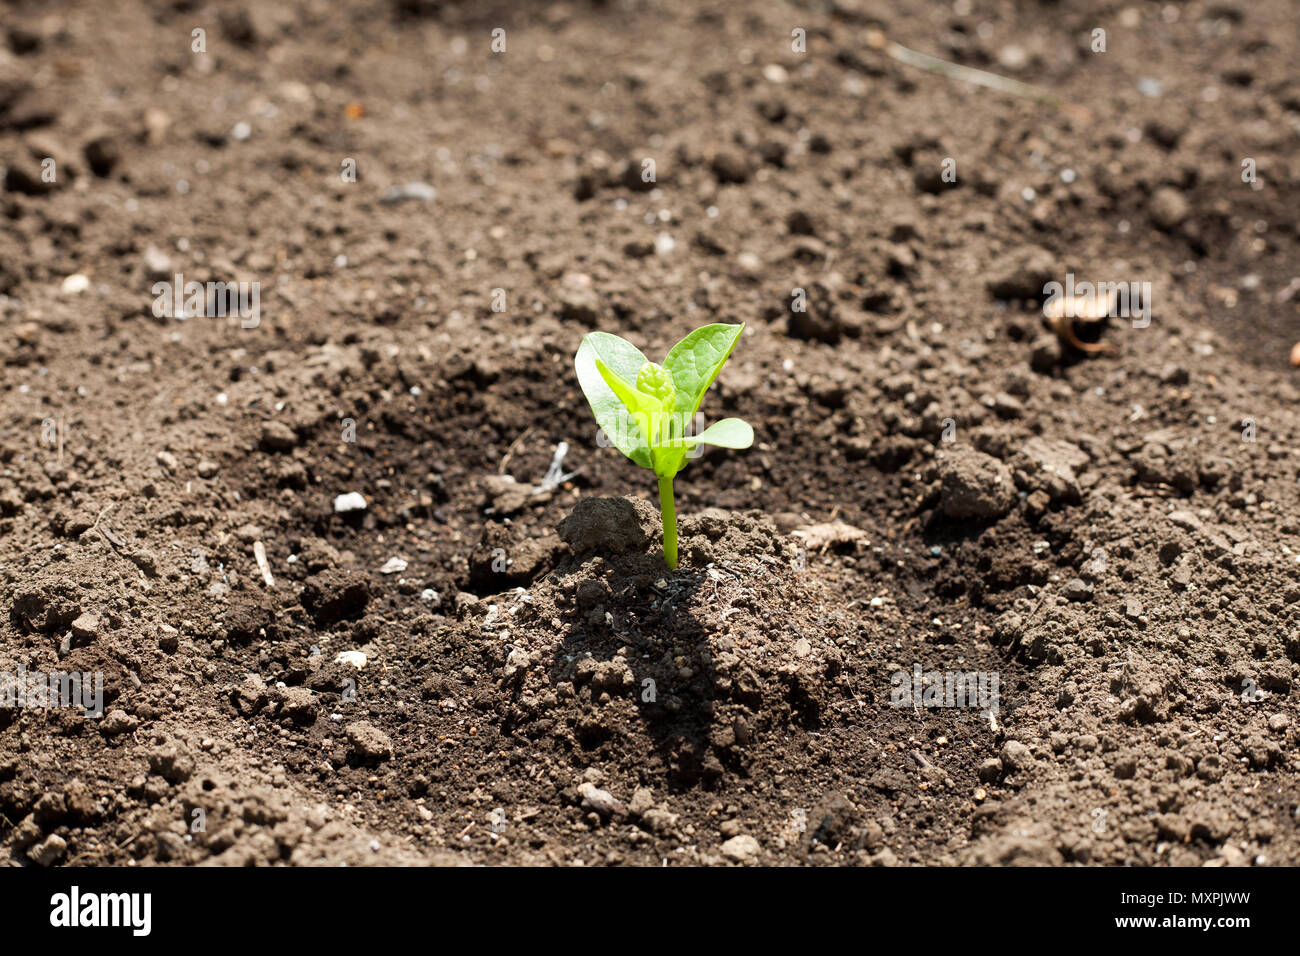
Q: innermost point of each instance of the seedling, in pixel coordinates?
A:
(646, 409)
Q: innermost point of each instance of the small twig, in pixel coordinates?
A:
(112, 540)
(105, 532)
(1034, 613)
(992, 81)
(259, 554)
(103, 511)
(505, 459)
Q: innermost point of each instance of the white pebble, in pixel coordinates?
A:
(75, 284)
(352, 501)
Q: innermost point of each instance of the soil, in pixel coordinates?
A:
(938, 480)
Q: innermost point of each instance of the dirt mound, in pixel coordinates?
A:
(688, 671)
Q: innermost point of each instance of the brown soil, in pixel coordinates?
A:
(937, 480)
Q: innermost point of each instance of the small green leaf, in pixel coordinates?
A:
(633, 400)
(624, 360)
(696, 360)
(727, 433)
(655, 381)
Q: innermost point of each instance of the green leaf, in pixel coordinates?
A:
(648, 416)
(632, 400)
(696, 360)
(624, 360)
(727, 433)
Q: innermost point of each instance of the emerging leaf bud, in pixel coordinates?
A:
(655, 381)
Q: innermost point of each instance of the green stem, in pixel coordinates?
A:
(669, 512)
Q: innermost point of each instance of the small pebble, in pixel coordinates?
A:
(352, 501)
(74, 284)
(741, 849)
(356, 658)
(420, 192)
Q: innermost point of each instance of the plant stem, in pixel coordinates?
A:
(669, 512)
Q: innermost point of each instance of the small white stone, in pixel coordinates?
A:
(75, 284)
(741, 849)
(355, 658)
(1151, 87)
(352, 501)
(393, 566)
(601, 801)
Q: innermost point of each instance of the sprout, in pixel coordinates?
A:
(646, 409)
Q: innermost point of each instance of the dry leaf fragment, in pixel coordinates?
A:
(1086, 309)
(819, 536)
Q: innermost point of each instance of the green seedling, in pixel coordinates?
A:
(646, 409)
